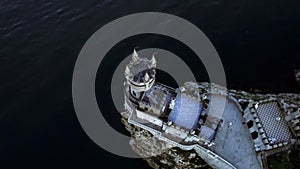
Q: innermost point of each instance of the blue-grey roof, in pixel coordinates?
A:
(185, 112)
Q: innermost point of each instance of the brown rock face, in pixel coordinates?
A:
(162, 155)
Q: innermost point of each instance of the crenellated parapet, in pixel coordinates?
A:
(140, 73)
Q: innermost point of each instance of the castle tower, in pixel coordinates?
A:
(140, 74)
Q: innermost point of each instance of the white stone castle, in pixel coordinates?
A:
(240, 136)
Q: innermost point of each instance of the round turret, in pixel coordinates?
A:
(140, 73)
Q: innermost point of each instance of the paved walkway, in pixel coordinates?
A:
(233, 142)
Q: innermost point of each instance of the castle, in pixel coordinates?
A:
(192, 117)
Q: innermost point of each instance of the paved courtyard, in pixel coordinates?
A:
(273, 122)
(233, 141)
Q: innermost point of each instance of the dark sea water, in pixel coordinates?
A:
(258, 43)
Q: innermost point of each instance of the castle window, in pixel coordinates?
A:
(250, 124)
(254, 135)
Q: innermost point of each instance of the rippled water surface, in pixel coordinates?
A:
(258, 43)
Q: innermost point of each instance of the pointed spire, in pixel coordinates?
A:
(153, 61)
(135, 56)
(127, 70)
(146, 77)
